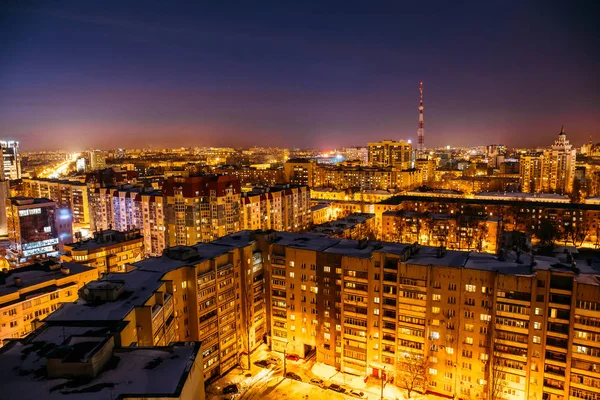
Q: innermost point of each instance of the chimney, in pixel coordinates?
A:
(65, 271)
(18, 281)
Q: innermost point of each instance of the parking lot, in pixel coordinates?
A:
(265, 380)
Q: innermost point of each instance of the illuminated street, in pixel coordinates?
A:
(58, 170)
(268, 383)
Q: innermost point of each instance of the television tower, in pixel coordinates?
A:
(421, 130)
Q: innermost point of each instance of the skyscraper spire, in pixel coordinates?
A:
(421, 130)
(562, 130)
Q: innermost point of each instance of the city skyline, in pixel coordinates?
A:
(79, 76)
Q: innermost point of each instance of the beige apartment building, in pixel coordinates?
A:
(391, 153)
(108, 251)
(210, 292)
(281, 207)
(33, 292)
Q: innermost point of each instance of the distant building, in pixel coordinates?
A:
(33, 292)
(281, 207)
(97, 160)
(37, 228)
(109, 251)
(71, 195)
(201, 208)
(552, 171)
(390, 153)
(11, 160)
(300, 171)
(4, 195)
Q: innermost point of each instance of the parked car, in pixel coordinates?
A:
(262, 363)
(293, 375)
(317, 381)
(233, 388)
(273, 360)
(293, 357)
(337, 388)
(357, 393)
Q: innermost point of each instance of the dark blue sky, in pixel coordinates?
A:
(75, 74)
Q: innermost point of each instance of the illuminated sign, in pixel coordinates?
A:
(256, 258)
(29, 211)
(47, 242)
(36, 251)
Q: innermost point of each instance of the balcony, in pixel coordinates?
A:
(168, 306)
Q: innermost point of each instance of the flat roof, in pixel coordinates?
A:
(340, 225)
(134, 371)
(36, 274)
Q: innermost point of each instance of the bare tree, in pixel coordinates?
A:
(496, 381)
(414, 376)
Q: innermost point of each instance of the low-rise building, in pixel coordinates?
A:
(32, 292)
(108, 251)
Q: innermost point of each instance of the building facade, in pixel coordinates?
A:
(108, 251)
(36, 229)
(282, 207)
(11, 160)
(73, 196)
(390, 153)
(33, 292)
(201, 208)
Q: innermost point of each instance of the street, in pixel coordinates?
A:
(269, 383)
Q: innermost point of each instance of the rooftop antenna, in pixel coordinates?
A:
(421, 130)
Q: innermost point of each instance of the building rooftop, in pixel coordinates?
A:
(20, 279)
(105, 238)
(27, 201)
(140, 284)
(132, 371)
(340, 225)
(320, 206)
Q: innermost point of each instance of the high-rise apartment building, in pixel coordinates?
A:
(531, 167)
(11, 160)
(97, 160)
(124, 208)
(69, 195)
(201, 208)
(37, 228)
(391, 153)
(551, 171)
(4, 195)
(559, 166)
(281, 207)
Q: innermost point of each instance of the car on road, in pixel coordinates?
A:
(357, 393)
(293, 357)
(293, 375)
(317, 381)
(273, 360)
(262, 363)
(337, 388)
(229, 389)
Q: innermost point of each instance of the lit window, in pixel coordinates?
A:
(376, 300)
(484, 357)
(470, 288)
(432, 371)
(435, 335)
(291, 274)
(468, 340)
(292, 317)
(436, 297)
(183, 284)
(291, 263)
(537, 339)
(327, 269)
(450, 350)
(537, 325)
(435, 310)
(538, 311)
(376, 311)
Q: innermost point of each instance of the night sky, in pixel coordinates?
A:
(76, 74)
